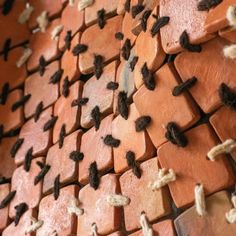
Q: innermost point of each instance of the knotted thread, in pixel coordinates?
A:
(230, 51)
(117, 200)
(43, 21)
(225, 147)
(74, 209)
(231, 15)
(163, 179)
(35, 225)
(84, 3)
(147, 230)
(24, 58)
(94, 229)
(26, 13)
(56, 32)
(200, 200)
(231, 215)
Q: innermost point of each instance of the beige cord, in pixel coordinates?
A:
(24, 58)
(231, 215)
(36, 224)
(26, 13)
(71, 3)
(74, 209)
(84, 3)
(200, 200)
(231, 15)
(56, 32)
(43, 21)
(147, 230)
(230, 51)
(117, 200)
(94, 229)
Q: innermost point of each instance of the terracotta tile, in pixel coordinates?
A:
(191, 166)
(68, 115)
(94, 149)
(93, 88)
(35, 84)
(6, 162)
(94, 204)
(23, 183)
(17, 32)
(214, 223)
(163, 107)
(34, 136)
(10, 72)
(183, 16)
(126, 28)
(140, 142)
(55, 215)
(216, 18)
(42, 45)
(52, 7)
(4, 191)
(154, 55)
(91, 11)
(105, 44)
(71, 19)
(205, 91)
(142, 198)
(121, 7)
(224, 124)
(12, 119)
(162, 228)
(60, 162)
(228, 33)
(24, 223)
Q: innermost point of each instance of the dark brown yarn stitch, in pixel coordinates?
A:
(79, 48)
(76, 156)
(185, 43)
(227, 96)
(56, 77)
(28, 159)
(68, 39)
(50, 123)
(175, 136)
(6, 49)
(206, 5)
(135, 10)
(159, 23)
(7, 6)
(119, 35)
(16, 147)
(127, 5)
(4, 203)
(66, 87)
(5, 93)
(148, 78)
(112, 85)
(184, 86)
(133, 63)
(42, 65)
(12, 132)
(101, 18)
(142, 123)
(130, 157)
(79, 102)
(62, 135)
(94, 178)
(4, 180)
(110, 141)
(123, 106)
(126, 48)
(96, 117)
(98, 65)
(56, 187)
(38, 111)
(20, 210)
(41, 174)
(40, 164)
(21, 102)
(144, 19)
(1, 131)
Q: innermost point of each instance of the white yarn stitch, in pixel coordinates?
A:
(200, 200)
(117, 200)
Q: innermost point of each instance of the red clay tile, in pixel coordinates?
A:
(34, 136)
(142, 198)
(128, 22)
(98, 94)
(121, 7)
(105, 44)
(10, 72)
(205, 91)
(213, 223)
(40, 89)
(91, 11)
(94, 149)
(6, 162)
(183, 16)
(68, 115)
(42, 45)
(60, 162)
(4, 191)
(216, 18)
(224, 124)
(228, 33)
(23, 183)
(137, 142)
(20, 229)
(191, 166)
(52, 7)
(163, 107)
(12, 119)
(96, 209)
(72, 20)
(55, 215)
(164, 228)
(154, 54)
